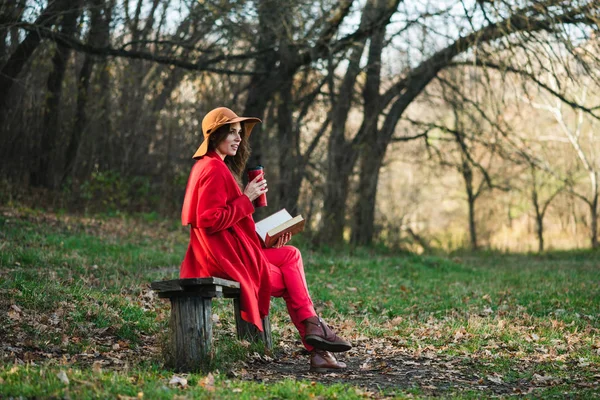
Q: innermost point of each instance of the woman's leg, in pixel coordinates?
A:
(288, 281)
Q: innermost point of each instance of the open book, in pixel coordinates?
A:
(272, 227)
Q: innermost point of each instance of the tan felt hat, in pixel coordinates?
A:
(217, 118)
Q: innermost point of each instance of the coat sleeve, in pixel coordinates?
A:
(215, 211)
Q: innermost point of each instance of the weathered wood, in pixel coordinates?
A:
(192, 284)
(267, 338)
(191, 333)
(206, 291)
(249, 332)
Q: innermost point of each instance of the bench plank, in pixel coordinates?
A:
(191, 283)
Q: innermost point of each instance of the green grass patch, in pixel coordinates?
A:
(74, 297)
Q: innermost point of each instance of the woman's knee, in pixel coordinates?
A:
(293, 253)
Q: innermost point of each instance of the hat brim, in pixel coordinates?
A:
(249, 123)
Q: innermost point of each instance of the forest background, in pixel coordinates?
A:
(418, 125)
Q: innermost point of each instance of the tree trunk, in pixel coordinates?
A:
(540, 232)
(363, 223)
(539, 211)
(80, 117)
(333, 219)
(341, 156)
(467, 174)
(102, 155)
(539, 219)
(288, 187)
(11, 69)
(44, 171)
(594, 222)
(263, 86)
(10, 13)
(98, 36)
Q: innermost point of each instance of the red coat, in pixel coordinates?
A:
(223, 240)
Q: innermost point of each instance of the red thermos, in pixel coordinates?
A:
(260, 201)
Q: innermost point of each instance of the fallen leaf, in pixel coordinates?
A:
(541, 379)
(583, 362)
(208, 382)
(97, 367)
(62, 376)
(177, 380)
(459, 334)
(496, 379)
(15, 316)
(29, 356)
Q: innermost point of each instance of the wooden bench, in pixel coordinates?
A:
(190, 325)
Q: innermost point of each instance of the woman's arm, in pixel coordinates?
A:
(215, 210)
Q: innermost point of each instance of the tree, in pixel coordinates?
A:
(20, 56)
(395, 100)
(99, 36)
(582, 145)
(43, 172)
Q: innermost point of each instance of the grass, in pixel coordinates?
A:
(75, 303)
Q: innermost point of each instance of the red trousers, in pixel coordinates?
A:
(288, 281)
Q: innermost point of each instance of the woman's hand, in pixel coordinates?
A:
(256, 187)
(283, 239)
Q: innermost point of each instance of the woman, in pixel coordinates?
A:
(223, 241)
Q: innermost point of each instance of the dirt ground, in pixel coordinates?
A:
(400, 371)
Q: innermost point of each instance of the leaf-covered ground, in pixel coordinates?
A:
(77, 320)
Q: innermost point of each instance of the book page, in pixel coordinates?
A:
(265, 225)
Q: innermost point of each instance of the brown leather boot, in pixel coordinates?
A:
(323, 361)
(320, 336)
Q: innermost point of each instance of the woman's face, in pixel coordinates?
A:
(229, 145)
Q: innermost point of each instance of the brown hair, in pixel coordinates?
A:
(237, 163)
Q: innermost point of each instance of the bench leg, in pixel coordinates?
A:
(191, 333)
(249, 332)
